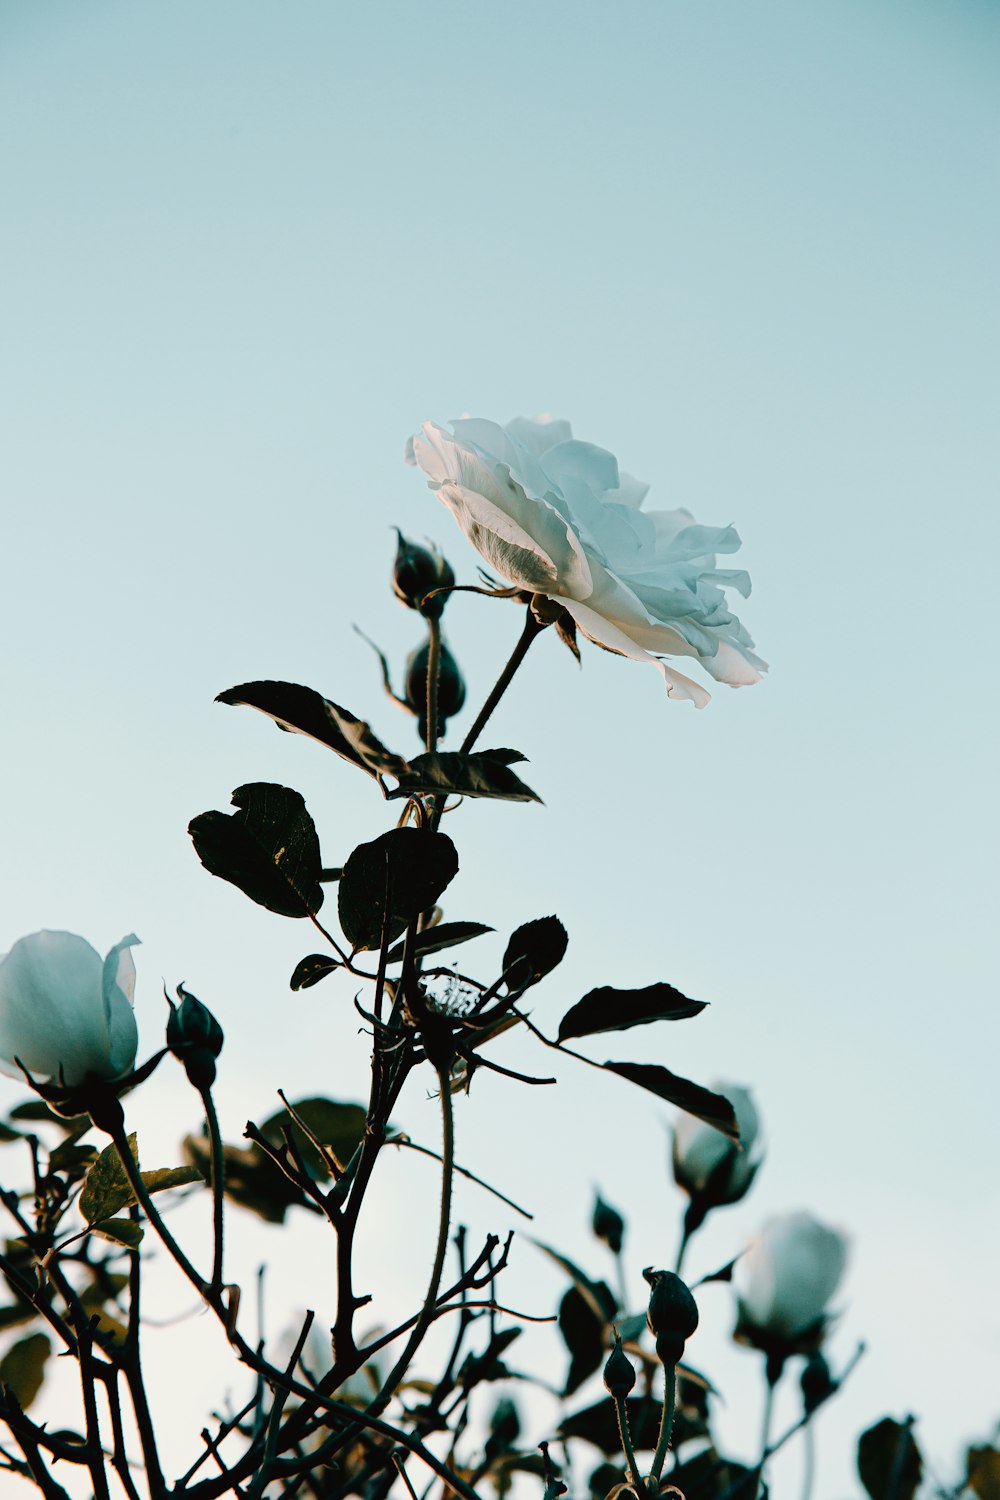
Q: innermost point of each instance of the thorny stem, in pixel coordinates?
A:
(666, 1419)
(621, 1412)
(218, 1186)
(153, 1215)
(444, 1224)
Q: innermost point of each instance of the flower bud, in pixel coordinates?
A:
(417, 572)
(195, 1038)
(784, 1282)
(672, 1315)
(619, 1372)
(505, 1426)
(816, 1381)
(451, 687)
(712, 1169)
(608, 1225)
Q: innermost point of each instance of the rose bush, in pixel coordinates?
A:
(707, 1164)
(556, 516)
(66, 1013)
(785, 1280)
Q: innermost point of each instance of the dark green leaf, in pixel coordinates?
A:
(598, 1424)
(580, 1279)
(37, 1109)
(339, 1126)
(608, 1009)
(120, 1231)
(8, 1133)
(162, 1178)
(301, 710)
(707, 1476)
(444, 935)
(454, 773)
(534, 950)
(72, 1159)
(489, 1365)
(252, 1179)
(17, 1312)
(583, 1331)
(604, 1479)
(22, 1368)
(724, 1273)
(269, 848)
(889, 1461)
(107, 1190)
(415, 866)
(311, 969)
(608, 1225)
(983, 1473)
(697, 1101)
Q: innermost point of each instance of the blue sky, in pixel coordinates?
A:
(247, 248)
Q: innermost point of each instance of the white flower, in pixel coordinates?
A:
(707, 1164)
(787, 1276)
(65, 1012)
(557, 517)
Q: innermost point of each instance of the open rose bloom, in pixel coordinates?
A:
(557, 517)
(66, 1013)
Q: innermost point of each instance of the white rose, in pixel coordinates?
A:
(66, 1013)
(787, 1276)
(557, 517)
(707, 1164)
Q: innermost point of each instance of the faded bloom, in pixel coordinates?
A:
(785, 1280)
(66, 1013)
(708, 1166)
(557, 517)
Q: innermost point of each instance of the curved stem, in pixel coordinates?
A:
(621, 1412)
(520, 651)
(666, 1419)
(131, 1169)
(433, 678)
(682, 1248)
(437, 1270)
(218, 1185)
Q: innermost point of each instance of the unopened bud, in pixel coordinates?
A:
(672, 1315)
(505, 1424)
(195, 1037)
(451, 687)
(608, 1225)
(816, 1381)
(619, 1372)
(418, 572)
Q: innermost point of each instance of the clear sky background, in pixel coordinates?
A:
(752, 248)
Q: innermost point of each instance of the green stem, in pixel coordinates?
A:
(666, 1419)
(218, 1186)
(626, 1441)
(809, 1463)
(145, 1202)
(444, 1223)
(682, 1248)
(520, 651)
(433, 679)
(765, 1437)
